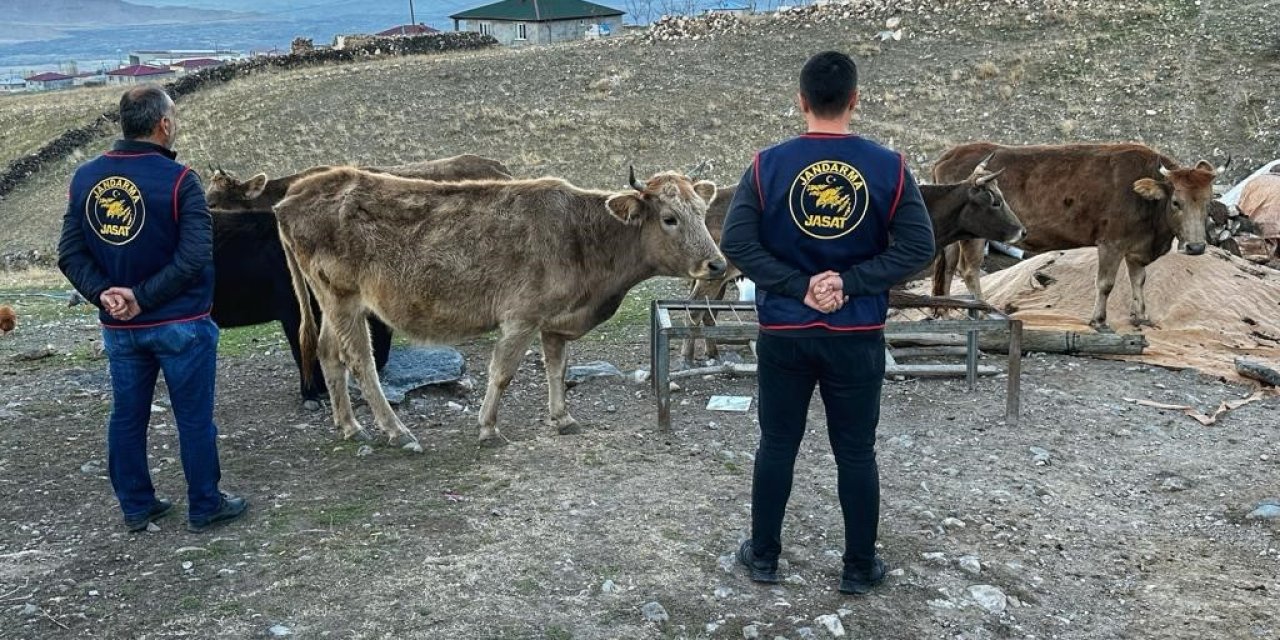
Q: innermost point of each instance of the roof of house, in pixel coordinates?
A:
(139, 70)
(198, 63)
(408, 30)
(48, 77)
(537, 11)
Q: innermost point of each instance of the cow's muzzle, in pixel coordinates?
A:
(711, 270)
(1195, 249)
(1017, 236)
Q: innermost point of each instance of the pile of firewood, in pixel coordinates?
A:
(1230, 229)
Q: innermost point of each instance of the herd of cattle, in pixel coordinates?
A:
(453, 248)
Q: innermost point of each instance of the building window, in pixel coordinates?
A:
(486, 29)
(522, 31)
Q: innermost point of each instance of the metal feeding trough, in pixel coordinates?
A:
(736, 321)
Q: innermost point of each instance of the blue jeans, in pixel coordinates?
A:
(187, 353)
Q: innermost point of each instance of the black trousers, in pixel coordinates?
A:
(849, 372)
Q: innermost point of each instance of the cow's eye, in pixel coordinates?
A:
(670, 221)
(1177, 205)
(995, 203)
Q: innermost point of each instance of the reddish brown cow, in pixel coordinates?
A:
(1126, 199)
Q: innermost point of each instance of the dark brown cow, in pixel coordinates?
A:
(260, 193)
(1126, 199)
(445, 261)
(972, 208)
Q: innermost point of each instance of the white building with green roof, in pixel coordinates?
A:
(526, 22)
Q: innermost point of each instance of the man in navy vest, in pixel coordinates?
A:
(824, 223)
(137, 241)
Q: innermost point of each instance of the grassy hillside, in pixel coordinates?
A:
(1195, 81)
(29, 120)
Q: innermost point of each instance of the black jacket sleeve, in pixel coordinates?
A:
(195, 248)
(75, 261)
(910, 247)
(740, 242)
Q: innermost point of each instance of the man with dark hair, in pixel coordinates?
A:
(137, 242)
(824, 223)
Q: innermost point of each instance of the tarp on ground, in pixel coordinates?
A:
(1209, 309)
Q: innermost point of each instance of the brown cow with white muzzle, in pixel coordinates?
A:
(442, 261)
(1126, 199)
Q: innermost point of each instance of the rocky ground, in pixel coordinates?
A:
(1093, 518)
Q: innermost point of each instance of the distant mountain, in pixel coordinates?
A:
(103, 13)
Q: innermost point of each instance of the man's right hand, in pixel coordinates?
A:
(826, 292)
(121, 303)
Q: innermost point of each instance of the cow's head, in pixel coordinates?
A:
(1186, 194)
(228, 193)
(987, 214)
(671, 211)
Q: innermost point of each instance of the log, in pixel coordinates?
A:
(929, 352)
(1257, 371)
(899, 299)
(1041, 340)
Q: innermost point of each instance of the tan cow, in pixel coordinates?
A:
(1128, 200)
(227, 193)
(447, 261)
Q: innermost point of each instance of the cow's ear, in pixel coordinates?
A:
(1149, 189)
(706, 190)
(627, 207)
(255, 186)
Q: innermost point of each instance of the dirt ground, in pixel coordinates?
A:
(1134, 528)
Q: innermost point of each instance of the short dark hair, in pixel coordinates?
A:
(828, 82)
(141, 109)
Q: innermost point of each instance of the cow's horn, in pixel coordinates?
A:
(982, 166)
(635, 184)
(1163, 171)
(988, 177)
(1224, 165)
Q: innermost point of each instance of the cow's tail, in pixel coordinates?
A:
(308, 329)
(940, 273)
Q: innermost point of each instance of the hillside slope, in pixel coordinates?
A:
(1194, 81)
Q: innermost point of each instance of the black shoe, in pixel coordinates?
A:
(159, 509)
(861, 582)
(232, 507)
(766, 572)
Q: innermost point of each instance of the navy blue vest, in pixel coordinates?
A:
(128, 202)
(827, 201)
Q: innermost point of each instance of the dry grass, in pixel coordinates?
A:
(674, 104)
(28, 121)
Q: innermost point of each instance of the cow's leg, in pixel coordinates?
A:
(502, 367)
(555, 355)
(329, 352)
(1138, 304)
(970, 265)
(358, 352)
(1108, 263)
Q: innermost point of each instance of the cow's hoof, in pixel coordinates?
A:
(407, 442)
(493, 442)
(1101, 327)
(359, 435)
(1143, 322)
(566, 426)
(311, 404)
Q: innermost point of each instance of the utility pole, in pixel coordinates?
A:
(411, 18)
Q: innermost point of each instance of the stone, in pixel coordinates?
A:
(952, 523)
(92, 468)
(1040, 456)
(939, 603)
(414, 367)
(30, 610)
(970, 565)
(1265, 512)
(796, 579)
(806, 633)
(935, 558)
(279, 631)
(609, 587)
(364, 450)
(989, 597)
(727, 562)
(578, 374)
(1173, 482)
(750, 632)
(831, 622)
(654, 612)
(723, 592)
